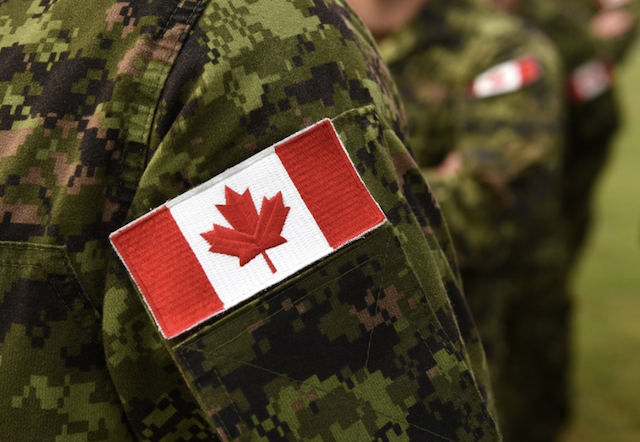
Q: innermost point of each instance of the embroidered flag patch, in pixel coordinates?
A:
(506, 77)
(590, 80)
(247, 229)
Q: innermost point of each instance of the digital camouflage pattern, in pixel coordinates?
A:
(108, 110)
(502, 201)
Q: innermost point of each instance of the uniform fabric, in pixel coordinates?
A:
(108, 110)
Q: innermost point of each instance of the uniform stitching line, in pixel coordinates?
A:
(19, 264)
(454, 353)
(71, 274)
(188, 347)
(233, 404)
(199, 386)
(50, 282)
(12, 245)
(55, 289)
(140, 85)
(187, 28)
(333, 393)
(383, 282)
(43, 268)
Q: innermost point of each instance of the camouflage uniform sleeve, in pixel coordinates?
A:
(508, 148)
(110, 109)
(372, 343)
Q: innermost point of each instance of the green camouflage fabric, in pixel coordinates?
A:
(110, 109)
(503, 204)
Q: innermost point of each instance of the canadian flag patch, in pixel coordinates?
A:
(247, 229)
(590, 80)
(506, 77)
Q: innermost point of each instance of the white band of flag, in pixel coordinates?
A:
(247, 229)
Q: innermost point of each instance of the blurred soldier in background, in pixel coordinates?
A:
(109, 109)
(591, 38)
(483, 97)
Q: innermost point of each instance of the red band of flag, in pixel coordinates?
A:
(329, 185)
(163, 264)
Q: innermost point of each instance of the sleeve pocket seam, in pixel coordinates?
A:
(220, 354)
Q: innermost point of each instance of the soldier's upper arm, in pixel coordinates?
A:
(119, 112)
(508, 141)
(355, 337)
(504, 135)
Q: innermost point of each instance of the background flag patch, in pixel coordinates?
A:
(506, 77)
(590, 80)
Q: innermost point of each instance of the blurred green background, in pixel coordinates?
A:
(607, 287)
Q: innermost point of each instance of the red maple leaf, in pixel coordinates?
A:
(254, 234)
